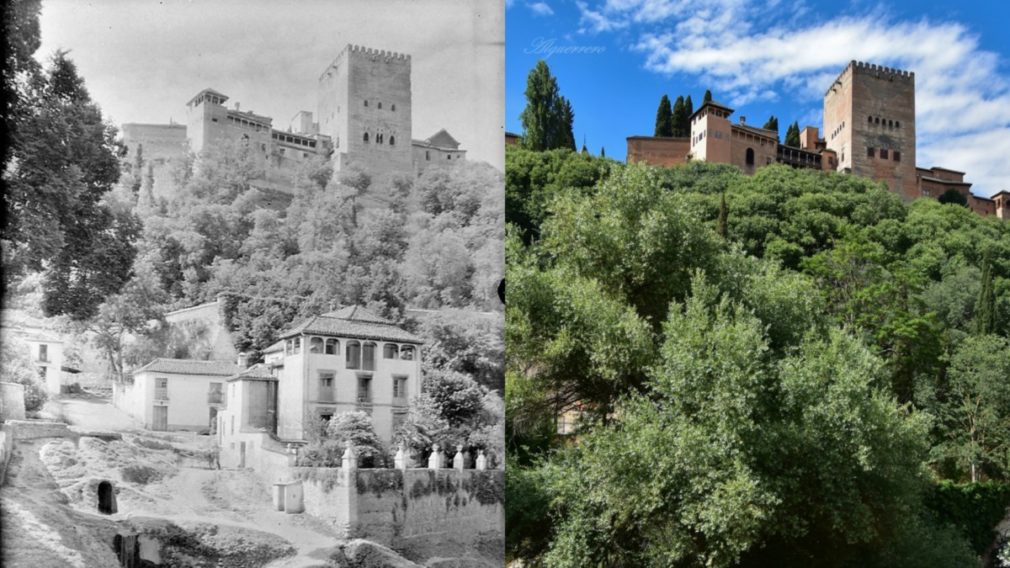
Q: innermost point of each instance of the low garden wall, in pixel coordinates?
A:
(12, 401)
(6, 450)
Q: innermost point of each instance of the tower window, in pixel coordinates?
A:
(869, 119)
(750, 156)
(366, 102)
(890, 123)
(897, 156)
(876, 120)
(883, 153)
(380, 105)
(869, 152)
(897, 124)
(365, 137)
(392, 140)
(393, 107)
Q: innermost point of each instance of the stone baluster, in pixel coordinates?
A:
(400, 461)
(457, 460)
(481, 460)
(435, 460)
(350, 459)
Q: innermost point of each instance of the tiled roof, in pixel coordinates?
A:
(279, 346)
(354, 322)
(190, 367)
(257, 371)
(761, 132)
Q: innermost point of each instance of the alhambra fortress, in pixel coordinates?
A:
(363, 120)
(869, 131)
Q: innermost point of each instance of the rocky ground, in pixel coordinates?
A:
(167, 490)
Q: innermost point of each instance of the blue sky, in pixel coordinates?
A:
(614, 59)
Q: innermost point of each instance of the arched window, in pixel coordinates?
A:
(316, 345)
(332, 347)
(380, 105)
(869, 119)
(407, 353)
(365, 137)
(390, 351)
(378, 138)
(353, 355)
(392, 141)
(750, 156)
(368, 356)
(897, 124)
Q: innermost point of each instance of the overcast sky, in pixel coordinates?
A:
(142, 59)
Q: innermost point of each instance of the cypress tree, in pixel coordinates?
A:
(678, 113)
(603, 152)
(793, 135)
(708, 96)
(688, 110)
(548, 118)
(664, 118)
(772, 124)
(723, 216)
(985, 308)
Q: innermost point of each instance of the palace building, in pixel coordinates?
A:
(869, 131)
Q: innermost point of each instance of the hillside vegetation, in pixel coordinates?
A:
(773, 370)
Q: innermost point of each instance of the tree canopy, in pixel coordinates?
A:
(548, 117)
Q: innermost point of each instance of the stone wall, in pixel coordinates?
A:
(32, 429)
(419, 512)
(656, 151)
(6, 450)
(12, 401)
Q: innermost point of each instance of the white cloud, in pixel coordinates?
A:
(541, 8)
(962, 102)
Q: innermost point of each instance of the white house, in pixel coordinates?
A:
(45, 347)
(176, 394)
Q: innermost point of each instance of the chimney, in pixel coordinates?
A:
(237, 106)
(243, 360)
(743, 119)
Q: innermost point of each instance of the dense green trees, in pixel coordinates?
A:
(769, 368)
(664, 118)
(59, 166)
(793, 135)
(548, 117)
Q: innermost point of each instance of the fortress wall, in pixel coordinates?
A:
(658, 151)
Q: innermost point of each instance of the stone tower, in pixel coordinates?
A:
(869, 121)
(710, 133)
(364, 106)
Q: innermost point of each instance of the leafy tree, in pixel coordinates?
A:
(465, 342)
(977, 408)
(953, 197)
(330, 439)
(547, 119)
(16, 366)
(793, 135)
(60, 165)
(664, 118)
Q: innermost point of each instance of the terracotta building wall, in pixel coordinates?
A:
(658, 151)
(764, 151)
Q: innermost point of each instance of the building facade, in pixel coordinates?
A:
(869, 131)
(176, 394)
(363, 120)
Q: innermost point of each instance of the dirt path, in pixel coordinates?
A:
(91, 412)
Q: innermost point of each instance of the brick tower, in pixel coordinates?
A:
(869, 120)
(364, 106)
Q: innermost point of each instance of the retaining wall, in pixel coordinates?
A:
(12, 401)
(32, 429)
(6, 450)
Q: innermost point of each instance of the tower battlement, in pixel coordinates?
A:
(360, 51)
(873, 70)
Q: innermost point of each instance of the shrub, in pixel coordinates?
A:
(17, 367)
(139, 474)
(975, 508)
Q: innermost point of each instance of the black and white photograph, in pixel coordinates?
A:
(253, 284)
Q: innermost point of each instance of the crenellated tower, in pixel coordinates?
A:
(365, 107)
(869, 121)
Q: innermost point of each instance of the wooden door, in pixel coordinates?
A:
(160, 418)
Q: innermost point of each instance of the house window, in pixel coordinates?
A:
(365, 137)
(232, 423)
(750, 156)
(366, 102)
(448, 157)
(364, 389)
(392, 141)
(297, 345)
(160, 388)
(883, 154)
(316, 345)
(332, 347)
(326, 393)
(399, 387)
(42, 373)
(869, 152)
(390, 351)
(326, 417)
(407, 353)
(43, 353)
(368, 356)
(353, 355)
(393, 107)
(398, 419)
(897, 156)
(427, 155)
(380, 105)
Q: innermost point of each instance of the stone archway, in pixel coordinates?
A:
(106, 498)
